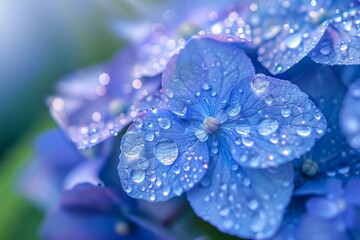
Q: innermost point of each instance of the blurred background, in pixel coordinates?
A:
(40, 41)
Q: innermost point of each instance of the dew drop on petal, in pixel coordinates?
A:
(243, 127)
(132, 144)
(201, 135)
(293, 41)
(137, 175)
(164, 123)
(286, 112)
(178, 107)
(260, 83)
(166, 151)
(253, 204)
(268, 126)
(304, 130)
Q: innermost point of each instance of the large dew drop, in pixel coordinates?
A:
(178, 107)
(260, 83)
(293, 41)
(132, 144)
(166, 151)
(268, 126)
(137, 175)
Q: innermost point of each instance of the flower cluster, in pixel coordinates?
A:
(192, 109)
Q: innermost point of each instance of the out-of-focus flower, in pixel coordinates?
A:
(350, 115)
(287, 31)
(94, 213)
(97, 103)
(334, 215)
(226, 135)
(56, 165)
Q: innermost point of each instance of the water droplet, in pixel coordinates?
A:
(166, 191)
(164, 123)
(149, 137)
(268, 126)
(132, 144)
(260, 83)
(224, 212)
(201, 135)
(178, 191)
(243, 126)
(304, 130)
(326, 50)
(142, 163)
(253, 204)
(278, 68)
(344, 169)
(246, 182)
(234, 109)
(343, 47)
(178, 107)
(166, 151)
(286, 112)
(294, 40)
(169, 93)
(247, 142)
(152, 197)
(137, 175)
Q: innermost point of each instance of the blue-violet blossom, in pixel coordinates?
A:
(223, 135)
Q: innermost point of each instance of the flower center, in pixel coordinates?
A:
(211, 125)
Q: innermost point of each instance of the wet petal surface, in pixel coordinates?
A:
(161, 157)
(240, 201)
(277, 123)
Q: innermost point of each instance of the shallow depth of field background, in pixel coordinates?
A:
(41, 41)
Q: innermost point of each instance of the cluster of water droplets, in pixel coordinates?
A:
(340, 44)
(235, 202)
(280, 122)
(154, 163)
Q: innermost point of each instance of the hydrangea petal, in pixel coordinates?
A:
(161, 157)
(289, 48)
(93, 105)
(241, 201)
(340, 44)
(327, 91)
(350, 116)
(277, 123)
(202, 76)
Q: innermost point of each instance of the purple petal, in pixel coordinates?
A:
(94, 105)
(340, 44)
(288, 49)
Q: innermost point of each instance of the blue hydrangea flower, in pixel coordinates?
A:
(92, 212)
(287, 31)
(223, 135)
(97, 103)
(350, 115)
(333, 215)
